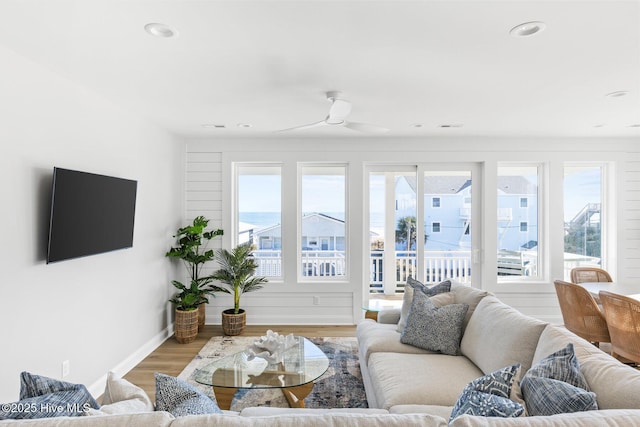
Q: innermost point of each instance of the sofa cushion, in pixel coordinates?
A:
(440, 411)
(465, 294)
(611, 418)
(180, 398)
(555, 385)
(261, 411)
(409, 290)
(314, 420)
(155, 419)
(488, 396)
(498, 335)
(419, 379)
(616, 385)
(375, 337)
(122, 397)
(434, 328)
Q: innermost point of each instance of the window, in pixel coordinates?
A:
(435, 202)
(447, 237)
(323, 215)
(259, 189)
(393, 228)
(517, 227)
(583, 189)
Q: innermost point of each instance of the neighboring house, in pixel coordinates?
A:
(447, 205)
(320, 232)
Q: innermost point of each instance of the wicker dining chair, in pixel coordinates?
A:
(589, 274)
(623, 319)
(581, 313)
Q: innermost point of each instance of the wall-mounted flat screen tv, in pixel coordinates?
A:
(90, 214)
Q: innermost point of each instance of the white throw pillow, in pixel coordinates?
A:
(122, 397)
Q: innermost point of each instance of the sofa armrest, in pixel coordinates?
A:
(389, 316)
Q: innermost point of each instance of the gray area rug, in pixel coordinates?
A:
(340, 387)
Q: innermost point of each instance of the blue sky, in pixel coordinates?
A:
(326, 193)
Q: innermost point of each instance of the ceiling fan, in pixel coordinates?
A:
(338, 112)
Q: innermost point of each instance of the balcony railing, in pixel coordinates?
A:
(314, 263)
(438, 265)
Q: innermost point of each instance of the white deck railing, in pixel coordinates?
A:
(438, 265)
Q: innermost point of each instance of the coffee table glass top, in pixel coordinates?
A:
(302, 364)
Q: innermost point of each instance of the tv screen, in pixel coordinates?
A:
(90, 214)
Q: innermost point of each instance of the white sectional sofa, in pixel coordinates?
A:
(405, 379)
(407, 386)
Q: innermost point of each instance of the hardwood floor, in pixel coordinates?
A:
(171, 358)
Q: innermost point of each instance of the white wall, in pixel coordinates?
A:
(209, 191)
(101, 312)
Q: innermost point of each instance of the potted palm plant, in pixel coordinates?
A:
(193, 241)
(237, 273)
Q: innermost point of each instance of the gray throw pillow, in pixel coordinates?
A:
(181, 398)
(44, 397)
(488, 396)
(555, 385)
(434, 328)
(407, 298)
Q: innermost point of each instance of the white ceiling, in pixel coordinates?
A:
(400, 63)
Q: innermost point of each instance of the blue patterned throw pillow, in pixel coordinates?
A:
(488, 396)
(181, 398)
(44, 397)
(555, 385)
(434, 328)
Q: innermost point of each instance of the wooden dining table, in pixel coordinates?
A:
(628, 289)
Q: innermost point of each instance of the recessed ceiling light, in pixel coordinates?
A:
(527, 29)
(160, 30)
(244, 125)
(416, 125)
(599, 125)
(617, 94)
(636, 125)
(213, 126)
(453, 125)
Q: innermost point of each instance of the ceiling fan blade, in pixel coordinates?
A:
(309, 126)
(364, 127)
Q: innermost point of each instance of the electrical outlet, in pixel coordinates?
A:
(316, 300)
(66, 368)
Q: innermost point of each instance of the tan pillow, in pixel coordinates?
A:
(499, 335)
(122, 397)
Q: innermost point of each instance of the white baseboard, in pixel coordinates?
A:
(97, 388)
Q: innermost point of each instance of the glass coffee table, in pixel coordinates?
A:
(302, 364)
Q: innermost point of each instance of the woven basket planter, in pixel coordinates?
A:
(186, 328)
(202, 315)
(233, 324)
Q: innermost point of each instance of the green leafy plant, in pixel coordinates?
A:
(188, 298)
(192, 250)
(237, 272)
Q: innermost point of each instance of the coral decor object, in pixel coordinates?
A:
(271, 347)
